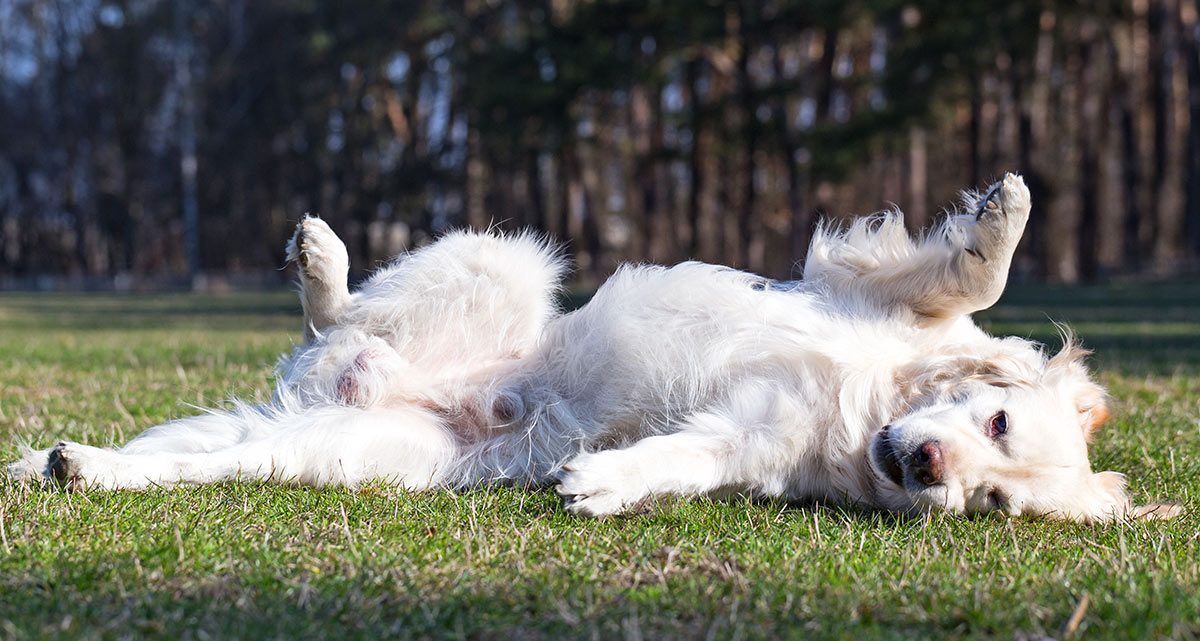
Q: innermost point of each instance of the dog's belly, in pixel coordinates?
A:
(657, 345)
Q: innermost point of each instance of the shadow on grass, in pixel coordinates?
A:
(384, 606)
(243, 310)
(1174, 294)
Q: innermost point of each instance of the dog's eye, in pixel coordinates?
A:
(999, 424)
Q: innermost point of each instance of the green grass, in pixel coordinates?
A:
(263, 562)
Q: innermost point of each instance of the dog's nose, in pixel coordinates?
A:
(927, 463)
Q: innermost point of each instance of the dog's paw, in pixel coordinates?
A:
(1001, 216)
(75, 466)
(1014, 198)
(64, 465)
(318, 251)
(599, 484)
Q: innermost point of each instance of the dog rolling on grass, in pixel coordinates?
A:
(865, 383)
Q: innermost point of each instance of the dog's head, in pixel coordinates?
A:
(1007, 433)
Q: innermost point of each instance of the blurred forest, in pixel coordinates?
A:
(149, 142)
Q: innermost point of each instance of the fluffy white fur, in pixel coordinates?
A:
(864, 383)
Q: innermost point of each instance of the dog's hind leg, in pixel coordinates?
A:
(977, 275)
(205, 433)
(323, 446)
(324, 267)
(29, 467)
(209, 432)
(958, 269)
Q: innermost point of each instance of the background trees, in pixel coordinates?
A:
(147, 137)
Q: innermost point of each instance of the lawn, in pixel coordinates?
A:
(263, 562)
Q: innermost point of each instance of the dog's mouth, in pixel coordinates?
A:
(886, 459)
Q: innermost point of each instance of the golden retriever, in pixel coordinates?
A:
(865, 383)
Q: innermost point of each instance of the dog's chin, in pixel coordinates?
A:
(883, 457)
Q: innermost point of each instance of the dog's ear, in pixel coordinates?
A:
(1093, 418)
(939, 374)
(1068, 372)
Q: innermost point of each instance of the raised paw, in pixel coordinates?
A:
(324, 267)
(599, 484)
(318, 251)
(1001, 215)
(1006, 198)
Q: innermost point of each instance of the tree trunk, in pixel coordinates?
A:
(825, 72)
(188, 159)
(918, 179)
(749, 231)
(1191, 53)
(799, 223)
(1131, 176)
(1160, 99)
(695, 169)
(974, 130)
(535, 215)
(1088, 104)
(645, 200)
(576, 212)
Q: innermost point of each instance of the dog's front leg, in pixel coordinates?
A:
(324, 267)
(613, 481)
(713, 451)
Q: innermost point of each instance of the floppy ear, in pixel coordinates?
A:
(1093, 418)
(939, 374)
(1067, 369)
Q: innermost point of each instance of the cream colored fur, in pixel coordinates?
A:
(453, 367)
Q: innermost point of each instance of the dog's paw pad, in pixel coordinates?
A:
(989, 203)
(1000, 214)
(62, 465)
(1008, 198)
(318, 251)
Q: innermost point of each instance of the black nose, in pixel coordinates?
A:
(927, 463)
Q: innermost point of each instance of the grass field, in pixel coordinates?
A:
(261, 562)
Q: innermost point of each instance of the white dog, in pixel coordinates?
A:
(866, 383)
